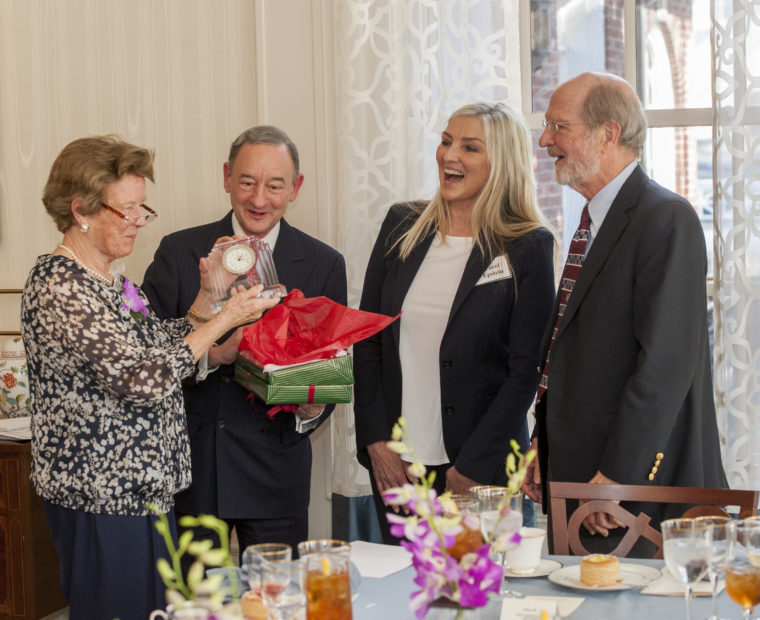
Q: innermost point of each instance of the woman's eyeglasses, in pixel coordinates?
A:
(145, 213)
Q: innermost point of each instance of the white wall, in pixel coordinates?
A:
(178, 76)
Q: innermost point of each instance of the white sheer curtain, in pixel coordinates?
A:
(736, 169)
(402, 66)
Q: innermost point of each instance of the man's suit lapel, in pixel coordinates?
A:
(612, 228)
(221, 228)
(287, 254)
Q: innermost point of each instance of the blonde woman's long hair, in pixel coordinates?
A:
(507, 207)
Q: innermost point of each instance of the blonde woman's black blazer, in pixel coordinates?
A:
(488, 356)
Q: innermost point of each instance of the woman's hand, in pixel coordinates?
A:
(244, 306)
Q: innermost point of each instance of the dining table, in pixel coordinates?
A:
(388, 598)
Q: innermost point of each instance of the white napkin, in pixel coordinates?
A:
(17, 429)
(667, 585)
(379, 561)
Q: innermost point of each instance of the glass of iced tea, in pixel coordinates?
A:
(470, 538)
(743, 573)
(328, 581)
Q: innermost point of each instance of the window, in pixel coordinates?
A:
(661, 46)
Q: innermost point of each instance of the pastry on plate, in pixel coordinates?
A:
(599, 569)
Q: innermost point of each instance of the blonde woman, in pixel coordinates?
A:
(472, 273)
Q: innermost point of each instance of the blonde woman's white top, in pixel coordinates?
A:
(425, 313)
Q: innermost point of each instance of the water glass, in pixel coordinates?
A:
(500, 515)
(282, 588)
(687, 545)
(255, 555)
(500, 520)
(743, 572)
(723, 549)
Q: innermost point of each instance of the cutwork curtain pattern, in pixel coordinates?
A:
(736, 83)
(402, 67)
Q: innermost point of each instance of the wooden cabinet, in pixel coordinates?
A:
(29, 584)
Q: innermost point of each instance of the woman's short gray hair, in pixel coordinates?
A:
(84, 168)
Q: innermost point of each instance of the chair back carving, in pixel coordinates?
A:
(565, 539)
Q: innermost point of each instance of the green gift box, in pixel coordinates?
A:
(292, 394)
(333, 371)
(322, 381)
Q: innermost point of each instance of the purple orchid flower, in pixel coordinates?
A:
(133, 302)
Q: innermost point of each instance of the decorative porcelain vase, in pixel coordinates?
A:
(14, 383)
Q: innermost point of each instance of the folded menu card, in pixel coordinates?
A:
(528, 609)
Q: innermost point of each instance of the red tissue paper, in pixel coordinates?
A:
(301, 329)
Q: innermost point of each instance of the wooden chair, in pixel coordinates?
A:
(565, 535)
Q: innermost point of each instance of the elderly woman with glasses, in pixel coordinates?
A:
(108, 425)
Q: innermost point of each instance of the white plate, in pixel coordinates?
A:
(545, 566)
(630, 576)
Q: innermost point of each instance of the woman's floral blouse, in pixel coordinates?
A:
(108, 422)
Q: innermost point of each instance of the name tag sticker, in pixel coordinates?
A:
(497, 270)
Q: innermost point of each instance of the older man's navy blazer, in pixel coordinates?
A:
(488, 355)
(629, 376)
(245, 466)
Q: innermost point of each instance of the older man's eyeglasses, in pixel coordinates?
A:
(555, 127)
(145, 212)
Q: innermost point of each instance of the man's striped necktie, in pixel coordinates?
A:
(569, 275)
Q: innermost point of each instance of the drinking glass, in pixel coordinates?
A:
(328, 579)
(255, 555)
(723, 542)
(743, 573)
(687, 545)
(500, 520)
(469, 539)
(282, 588)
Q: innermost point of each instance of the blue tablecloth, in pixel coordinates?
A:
(388, 599)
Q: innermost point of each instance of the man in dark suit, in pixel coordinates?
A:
(626, 394)
(249, 470)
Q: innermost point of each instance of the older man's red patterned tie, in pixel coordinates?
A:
(569, 276)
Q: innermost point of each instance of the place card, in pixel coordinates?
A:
(528, 609)
(566, 604)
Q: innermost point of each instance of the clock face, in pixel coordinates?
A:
(239, 258)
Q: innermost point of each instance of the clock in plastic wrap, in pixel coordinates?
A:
(242, 262)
